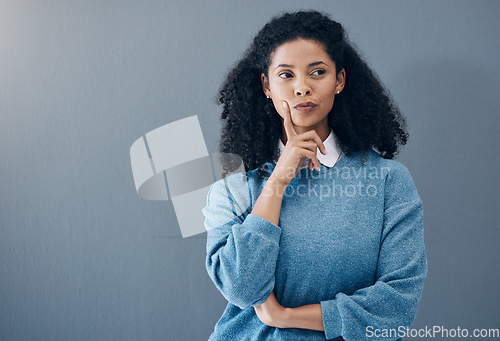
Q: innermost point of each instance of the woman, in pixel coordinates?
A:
(323, 236)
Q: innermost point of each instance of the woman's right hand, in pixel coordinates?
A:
(298, 148)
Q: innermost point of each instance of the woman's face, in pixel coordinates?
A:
(301, 71)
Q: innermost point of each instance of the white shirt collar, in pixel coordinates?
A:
(329, 159)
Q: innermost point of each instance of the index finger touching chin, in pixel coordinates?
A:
(287, 120)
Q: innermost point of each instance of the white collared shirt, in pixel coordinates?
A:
(329, 160)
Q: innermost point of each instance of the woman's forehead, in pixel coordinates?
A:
(299, 52)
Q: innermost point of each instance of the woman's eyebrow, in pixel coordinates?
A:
(291, 66)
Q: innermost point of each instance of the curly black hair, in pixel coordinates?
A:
(363, 116)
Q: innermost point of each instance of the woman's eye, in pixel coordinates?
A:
(320, 70)
(285, 73)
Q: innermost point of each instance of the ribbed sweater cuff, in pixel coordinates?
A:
(262, 226)
(332, 322)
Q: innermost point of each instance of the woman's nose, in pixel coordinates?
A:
(302, 89)
(302, 92)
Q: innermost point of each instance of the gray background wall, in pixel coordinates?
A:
(82, 257)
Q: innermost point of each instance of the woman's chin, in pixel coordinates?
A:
(304, 121)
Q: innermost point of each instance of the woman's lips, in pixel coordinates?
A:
(306, 109)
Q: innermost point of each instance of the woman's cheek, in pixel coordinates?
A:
(279, 107)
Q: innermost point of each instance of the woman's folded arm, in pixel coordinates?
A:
(242, 248)
(391, 303)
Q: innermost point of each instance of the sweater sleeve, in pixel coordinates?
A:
(392, 302)
(242, 248)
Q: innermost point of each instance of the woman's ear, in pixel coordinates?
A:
(340, 80)
(265, 84)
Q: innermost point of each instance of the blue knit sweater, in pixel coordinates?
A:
(349, 237)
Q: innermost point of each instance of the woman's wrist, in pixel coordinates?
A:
(304, 317)
(283, 320)
(277, 183)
